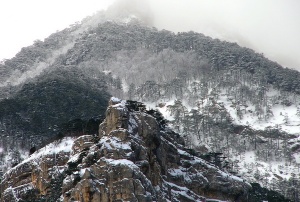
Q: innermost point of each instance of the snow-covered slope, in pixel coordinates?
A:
(265, 148)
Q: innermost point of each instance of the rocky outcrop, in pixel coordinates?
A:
(133, 158)
(36, 176)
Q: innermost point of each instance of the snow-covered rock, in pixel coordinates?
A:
(133, 158)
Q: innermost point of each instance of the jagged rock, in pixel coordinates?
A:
(34, 177)
(133, 159)
(82, 143)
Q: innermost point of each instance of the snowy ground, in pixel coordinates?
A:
(284, 117)
(64, 145)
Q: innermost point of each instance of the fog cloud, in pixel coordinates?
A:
(138, 8)
(271, 27)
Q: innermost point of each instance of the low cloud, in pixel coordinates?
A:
(138, 8)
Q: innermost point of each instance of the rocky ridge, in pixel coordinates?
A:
(135, 157)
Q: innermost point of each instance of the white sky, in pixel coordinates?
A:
(271, 27)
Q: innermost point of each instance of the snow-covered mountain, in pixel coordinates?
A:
(220, 97)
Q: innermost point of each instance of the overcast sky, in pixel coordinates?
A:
(271, 27)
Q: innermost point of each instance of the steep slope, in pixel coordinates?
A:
(133, 158)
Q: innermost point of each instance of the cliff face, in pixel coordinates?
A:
(133, 158)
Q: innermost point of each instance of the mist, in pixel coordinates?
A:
(17, 77)
(271, 27)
